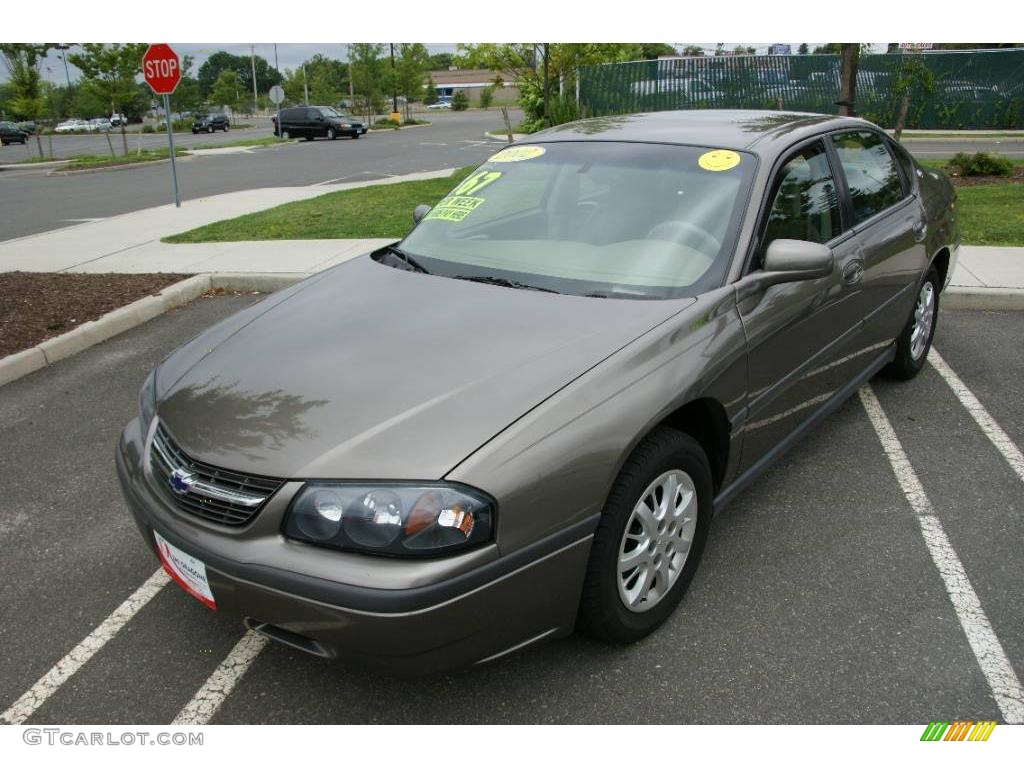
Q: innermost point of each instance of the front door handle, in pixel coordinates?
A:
(853, 272)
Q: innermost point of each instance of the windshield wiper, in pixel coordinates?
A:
(504, 282)
(402, 255)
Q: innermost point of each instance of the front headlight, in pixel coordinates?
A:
(391, 518)
(147, 400)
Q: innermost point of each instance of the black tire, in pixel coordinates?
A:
(211, 130)
(226, 126)
(286, 135)
(906, 365)
(603, 614)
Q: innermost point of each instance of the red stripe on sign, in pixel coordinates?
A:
(181, 582)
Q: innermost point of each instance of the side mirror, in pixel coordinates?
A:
(789, 261)
(419, 213)
(798, 260)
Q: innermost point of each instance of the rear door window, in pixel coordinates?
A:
(871, 173)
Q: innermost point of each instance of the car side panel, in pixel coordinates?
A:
(556, 464)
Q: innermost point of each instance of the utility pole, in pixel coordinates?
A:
(255, 98)
(63, 48)
(305, 84)
(547, 114)
(351, 80)
(275, 58)
(394, 84)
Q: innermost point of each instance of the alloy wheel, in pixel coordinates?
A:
(924, 316)
(657, 540)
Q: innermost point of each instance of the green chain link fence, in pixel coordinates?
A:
(955, 90)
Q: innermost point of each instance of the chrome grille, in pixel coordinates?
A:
(214, 494)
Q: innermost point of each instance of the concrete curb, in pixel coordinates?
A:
(25, 166)
(983, 298)
(120, 167)
(93, 332)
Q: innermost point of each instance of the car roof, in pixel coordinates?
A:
(763, 132)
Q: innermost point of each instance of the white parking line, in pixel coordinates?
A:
(219, 685)
(980, 414)
(62, 671)
(1002, 680)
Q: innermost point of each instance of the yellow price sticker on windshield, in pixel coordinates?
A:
(516, 154)
(454, 208)
(719, 160)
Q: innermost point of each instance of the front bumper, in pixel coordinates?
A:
(433, 616)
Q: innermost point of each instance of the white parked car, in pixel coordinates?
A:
(100, 124)
(444, 103)
(118, 120)
(74, 124)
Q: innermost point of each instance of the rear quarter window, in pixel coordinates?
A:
(871, 174)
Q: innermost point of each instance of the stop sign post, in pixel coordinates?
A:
(161, 70)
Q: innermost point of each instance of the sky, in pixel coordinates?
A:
(291, 55)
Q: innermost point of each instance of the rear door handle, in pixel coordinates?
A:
(920, 231)
(853, 272)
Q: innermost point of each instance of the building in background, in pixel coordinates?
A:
(472, 81)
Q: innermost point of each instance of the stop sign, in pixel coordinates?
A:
(161, 68)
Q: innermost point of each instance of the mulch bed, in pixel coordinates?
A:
(35, 306)
(973, 181)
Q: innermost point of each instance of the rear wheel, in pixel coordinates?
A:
(650, 539)
(211, 129)
(913, 343)
(286, 135)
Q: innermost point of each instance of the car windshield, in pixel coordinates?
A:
(630, 220)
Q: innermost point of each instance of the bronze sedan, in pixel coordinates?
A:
(521, 419)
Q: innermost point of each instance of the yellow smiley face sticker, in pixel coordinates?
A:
(516, 154)
(719, 160)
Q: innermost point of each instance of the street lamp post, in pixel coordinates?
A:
(394, 87)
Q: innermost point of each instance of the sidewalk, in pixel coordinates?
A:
(131, 243)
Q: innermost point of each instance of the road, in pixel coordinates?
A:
(33, 200)
(818, 600)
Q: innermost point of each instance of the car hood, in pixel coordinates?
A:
(371, 372)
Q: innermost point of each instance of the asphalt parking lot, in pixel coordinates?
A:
(818, 601)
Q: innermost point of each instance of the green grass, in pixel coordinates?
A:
(380, 211)
(79, 162)
(994, 135)
(991, 214)
(260, 142)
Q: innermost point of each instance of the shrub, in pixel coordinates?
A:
(980, 164)
(486, 96)
(460, 101)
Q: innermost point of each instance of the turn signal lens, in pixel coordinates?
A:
(393, 519)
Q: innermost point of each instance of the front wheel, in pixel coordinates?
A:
(913, 343)
(226, 126)
(331, 134)
(355, 135)
(650, 539)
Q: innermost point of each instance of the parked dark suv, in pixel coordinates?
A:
(11, 133)
(210, 123)
(310, 122)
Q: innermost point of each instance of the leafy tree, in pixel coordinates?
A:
(27, 101)
(832, 48)
(654, 50)
(803, 50)
(460, 101)
(693, 50)
(523, 60)
(326, 80)
(440, 60)
(109, 72)
(486, 96)
(369, 77)
(408, 76)
(719, 49)
(228, 91)
(266, 75)
(187, 96)
(430, 91)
